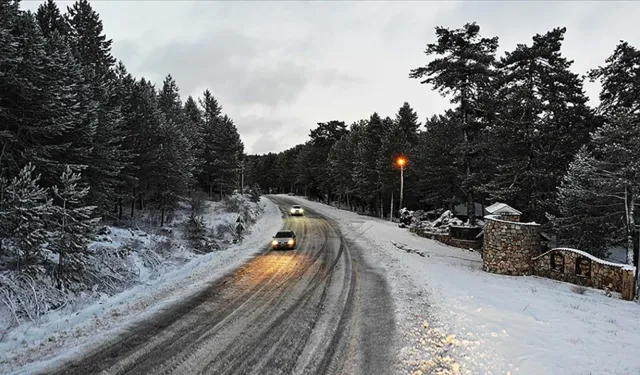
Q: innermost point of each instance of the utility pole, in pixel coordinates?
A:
(401, 185)
(401, 163)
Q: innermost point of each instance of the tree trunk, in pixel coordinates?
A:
(119, 208)
(133, 204)
(162, 213)
(221, 181)
(62, 250)
(391, 208)
(629, 201)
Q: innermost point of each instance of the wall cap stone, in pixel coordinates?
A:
(517, 223)
(587, 255)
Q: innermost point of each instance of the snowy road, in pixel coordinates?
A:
(320, 309)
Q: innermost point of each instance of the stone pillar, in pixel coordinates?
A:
(509, 246)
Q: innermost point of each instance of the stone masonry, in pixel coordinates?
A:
(579, 268)
(446, 239)
(509, 246)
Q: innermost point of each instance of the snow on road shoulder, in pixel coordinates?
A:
(460, 319)
(58, 338)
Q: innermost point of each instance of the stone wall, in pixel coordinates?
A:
(509, 246)
(577, 267)
(446, 239)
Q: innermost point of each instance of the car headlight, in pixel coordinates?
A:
(290, 242)
(274, 242)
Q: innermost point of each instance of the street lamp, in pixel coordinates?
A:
(402, 162)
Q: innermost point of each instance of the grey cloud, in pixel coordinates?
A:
(125, 50)
(250, 124)
(244, 69)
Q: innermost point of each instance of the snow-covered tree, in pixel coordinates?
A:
(108, 158)
(24, 215)
(73, 229)
(587, 218)
(601, 190)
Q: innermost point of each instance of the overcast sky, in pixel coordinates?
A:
(278, 68)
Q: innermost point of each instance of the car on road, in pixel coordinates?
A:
(284, 239)
(296, 210)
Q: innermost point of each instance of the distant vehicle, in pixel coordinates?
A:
(291, 194)
(285, 239)
(296, 210)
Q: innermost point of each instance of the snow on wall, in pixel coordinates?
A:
(593, 258)
(580, 268)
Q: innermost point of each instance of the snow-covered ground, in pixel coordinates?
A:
(60, 335)
(457, 317)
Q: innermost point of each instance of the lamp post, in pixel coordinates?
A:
(402, 162)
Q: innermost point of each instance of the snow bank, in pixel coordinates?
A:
(62, 335)
(455, 316)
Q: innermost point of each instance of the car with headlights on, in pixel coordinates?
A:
(284, 240)
(296, 210)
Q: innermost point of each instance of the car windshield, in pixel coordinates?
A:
(296, 206)
(284, 234)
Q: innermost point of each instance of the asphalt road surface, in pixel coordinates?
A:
(317, 310)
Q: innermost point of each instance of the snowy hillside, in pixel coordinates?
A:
(457, 317)
(157, 270)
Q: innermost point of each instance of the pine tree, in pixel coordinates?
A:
(391, 148)
(543, 121)
(437, 165)
(169, 101)
(600, 188)
(40, 113)
(341, 161)
(66, 88)
(367, 154)
(230, 148)
(465, 72)
(222, 149)
(323, 137)
(91, 46)
(585, 220)
(74, 228)
(51, 20)
(24, 214)
(617, 139)
(171, 175)
(107, 160)
(171, 106)
(620, 80)
(211, 117)
(193, 129)
(399, 141)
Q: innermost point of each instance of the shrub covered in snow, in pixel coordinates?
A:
(72, 262)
